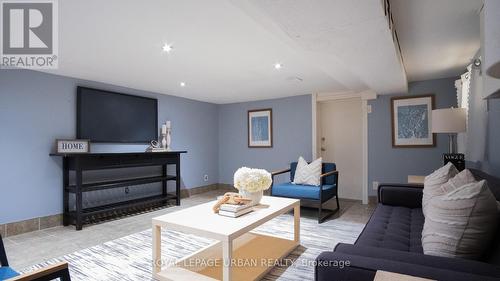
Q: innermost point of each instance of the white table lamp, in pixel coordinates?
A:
(450, 121)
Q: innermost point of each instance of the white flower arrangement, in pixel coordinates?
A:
(252, 180)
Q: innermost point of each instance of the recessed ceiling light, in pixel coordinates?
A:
(183, 84)
(167, 48)
(278, 66)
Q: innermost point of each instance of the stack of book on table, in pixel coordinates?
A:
(234, 211)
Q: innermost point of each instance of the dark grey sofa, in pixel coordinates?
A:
(391, 241)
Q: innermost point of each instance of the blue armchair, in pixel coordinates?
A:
(51, 272)
(307, 193)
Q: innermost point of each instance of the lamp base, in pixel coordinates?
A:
(457, 159)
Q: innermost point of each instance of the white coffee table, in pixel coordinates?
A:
(250, 254)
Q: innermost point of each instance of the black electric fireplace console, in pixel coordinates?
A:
(80, 162)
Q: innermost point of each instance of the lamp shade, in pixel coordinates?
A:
(448, 120)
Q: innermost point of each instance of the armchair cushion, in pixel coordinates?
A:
(303, 191)
(7, 272)
(326, 167)
(308, 174)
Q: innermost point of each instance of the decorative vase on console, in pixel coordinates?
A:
(251, 183)
(166, 138)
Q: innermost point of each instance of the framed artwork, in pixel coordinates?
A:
(411, 121)
(260, 128)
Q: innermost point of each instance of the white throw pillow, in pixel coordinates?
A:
(462, 222)
(456, 182)
(433, 182)
(308, 174)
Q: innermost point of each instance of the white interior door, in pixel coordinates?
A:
(340, 140)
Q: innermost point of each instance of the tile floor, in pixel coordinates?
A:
(32, 248)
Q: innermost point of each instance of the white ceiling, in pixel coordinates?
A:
(225, 50)
(348, 39)
(438, 37)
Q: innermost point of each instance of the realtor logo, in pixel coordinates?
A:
(29, 34)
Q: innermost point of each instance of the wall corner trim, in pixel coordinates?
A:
(314, 104)
(368, 95)
(364, 107)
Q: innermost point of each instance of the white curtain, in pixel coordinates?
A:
(463, 92)
(477, 119)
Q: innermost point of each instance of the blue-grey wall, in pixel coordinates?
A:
(490, 54)
(493, 147)
(388, 164)
(292, 135)
(36, 108)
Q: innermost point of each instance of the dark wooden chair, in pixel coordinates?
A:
(51, 272)
(317, 195)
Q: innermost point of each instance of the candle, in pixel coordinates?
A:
(168, 124)
(164, 129)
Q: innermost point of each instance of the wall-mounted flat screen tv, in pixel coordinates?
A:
(104, 116)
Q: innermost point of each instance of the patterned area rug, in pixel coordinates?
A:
(130, 257)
